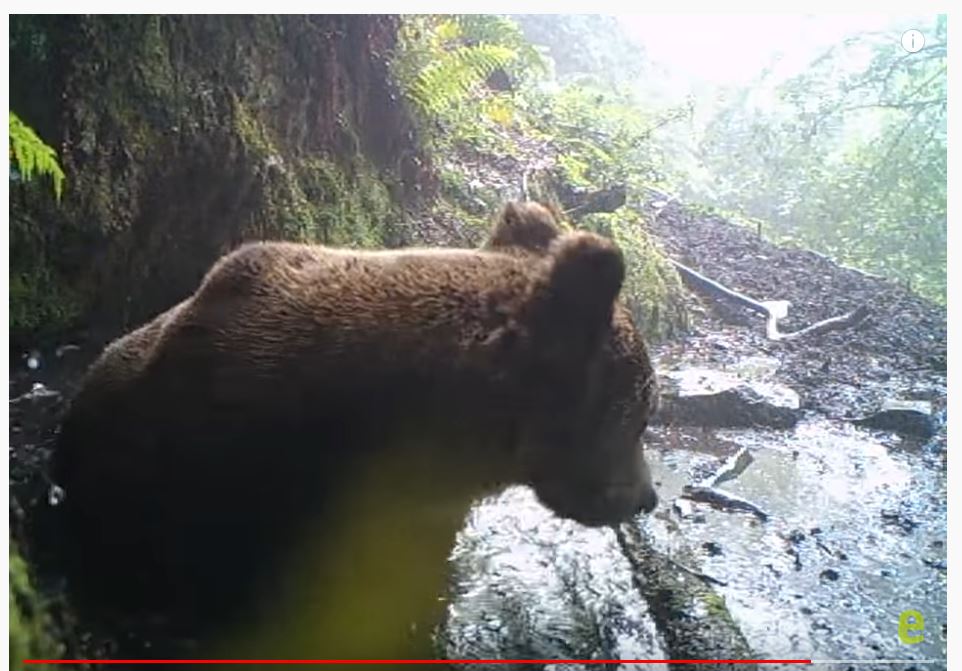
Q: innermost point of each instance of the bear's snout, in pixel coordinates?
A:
(598, 505)
(635, 499)
(648, 501)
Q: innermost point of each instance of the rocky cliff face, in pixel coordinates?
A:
(182, 136)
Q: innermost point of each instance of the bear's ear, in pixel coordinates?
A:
(572, 301)
(528, 226)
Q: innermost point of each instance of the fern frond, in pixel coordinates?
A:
(500, 109)
(446, 31)
(33, 156)
(504, 31)
(455, 73)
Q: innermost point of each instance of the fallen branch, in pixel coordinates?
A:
(722, 500)
(698, 282)
(731, 469)
(771, 310)
(706, 491)
(606, 200)
(848, 320)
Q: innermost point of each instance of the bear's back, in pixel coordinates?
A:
(216, 429)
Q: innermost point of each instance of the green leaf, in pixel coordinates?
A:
(33, 156)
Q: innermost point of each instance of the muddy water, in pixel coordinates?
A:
(856, 537)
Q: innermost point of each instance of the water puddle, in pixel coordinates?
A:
(856, 538)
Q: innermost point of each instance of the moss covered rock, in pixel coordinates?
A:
(183, 136)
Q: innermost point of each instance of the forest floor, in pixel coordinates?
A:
(900, 351)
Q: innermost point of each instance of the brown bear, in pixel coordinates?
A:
(304, 435)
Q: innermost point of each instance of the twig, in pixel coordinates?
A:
(732, 468)
(698, 574)
(723, 500)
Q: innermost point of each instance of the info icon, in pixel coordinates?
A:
(913, 40)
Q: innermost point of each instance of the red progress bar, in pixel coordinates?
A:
(417, 661)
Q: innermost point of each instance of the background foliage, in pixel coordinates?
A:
(847, 158)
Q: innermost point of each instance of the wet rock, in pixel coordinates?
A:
(829, 574)
(900, 520)
(39, 393)
(755, 367)
(706, 397)
(713, 549)
(722, 500)
(911, 418)
(683, 507)
(938, 564)
(822, 625)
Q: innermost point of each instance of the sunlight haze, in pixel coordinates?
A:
(729, 49)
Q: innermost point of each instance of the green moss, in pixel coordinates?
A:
(141, 102)
(190, 134)
(351, 207)
(32, 634)
(715, 604)
(473, 226)
(154, 67)
(38, 300)
(314, 198)
(253, 134)
(652, 288)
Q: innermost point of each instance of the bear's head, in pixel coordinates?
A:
(586, 372)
